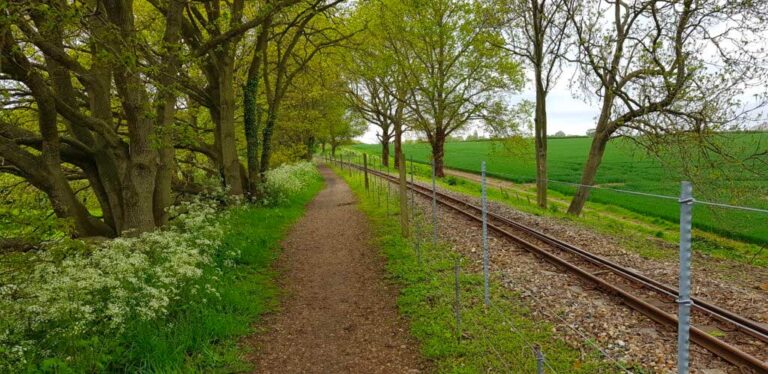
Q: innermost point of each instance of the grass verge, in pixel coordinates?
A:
(650, 237)
(203, 337)
(497, 339)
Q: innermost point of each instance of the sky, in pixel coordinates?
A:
(564, 112)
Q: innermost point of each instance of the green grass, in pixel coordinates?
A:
(625, 166)
(493, 340)
(204, 337)
(649, 236)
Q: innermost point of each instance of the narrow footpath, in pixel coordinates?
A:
(339, 313)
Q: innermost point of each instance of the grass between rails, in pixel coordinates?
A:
(204, 337)
(497, 339)
(650, 237)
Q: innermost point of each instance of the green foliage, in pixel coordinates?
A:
(493, 339)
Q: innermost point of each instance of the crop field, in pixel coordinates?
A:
(626, 166)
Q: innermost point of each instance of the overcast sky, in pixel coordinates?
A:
(572, 116)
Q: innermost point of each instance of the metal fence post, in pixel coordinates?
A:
(684, 299)
(413, 197)
(403, 195)
(388, 192)
(457, 287)
(486, 287)
(365, 169)
(434, 206)
(378, 185)
(416, 228)
(539, 359)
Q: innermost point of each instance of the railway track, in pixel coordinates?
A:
(653, 299)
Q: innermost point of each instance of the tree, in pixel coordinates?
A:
(537, 32)
(453, 74)
(71, 57)
(292, 43)
(377, 84)
(656, 76)
(560, 134)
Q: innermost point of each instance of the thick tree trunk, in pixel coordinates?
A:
(226, 126)
(251, 123)
(385, 152)
(166, 111)
(112, 160)
(252, 113)
(139, 177)
(603, 133)
(594, 159)
(438, 154)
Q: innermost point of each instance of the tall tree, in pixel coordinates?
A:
(670, 67)
(294, 41)
(537, 32)
(454, 74)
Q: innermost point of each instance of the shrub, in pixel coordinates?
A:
(72, 294)
(287, 180)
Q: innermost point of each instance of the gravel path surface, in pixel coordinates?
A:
(339, 315)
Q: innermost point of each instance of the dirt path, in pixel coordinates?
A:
(339, 315)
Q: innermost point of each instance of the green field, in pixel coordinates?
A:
(626, 166)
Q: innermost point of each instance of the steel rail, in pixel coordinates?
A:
(720, 348)
(742, 324)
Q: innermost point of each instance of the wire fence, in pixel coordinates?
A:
(533, 355)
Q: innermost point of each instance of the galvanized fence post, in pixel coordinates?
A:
(376, 166)
(684, 294)
(413, 197)
(539, 359)
(384, 179)
(365, 170)
(457, 287)
(434, 206)
(486, 287)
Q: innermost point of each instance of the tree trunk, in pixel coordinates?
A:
(139, 177)
(251, 122)
(398, 143)
(385, 152)
(594, 159)
(230, 165)
(540, 124)
(438, 153)
(266, 148)
(166, 111)
(252, 112)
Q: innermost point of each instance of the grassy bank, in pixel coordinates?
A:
(497, 339)
(626, 166)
